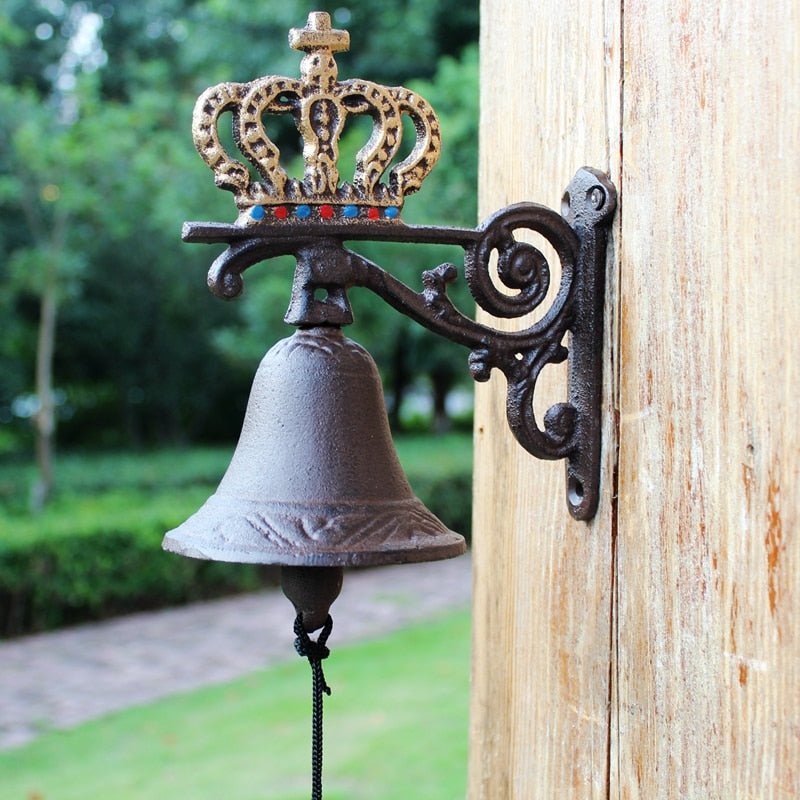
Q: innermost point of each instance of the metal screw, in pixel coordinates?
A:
(597, 197)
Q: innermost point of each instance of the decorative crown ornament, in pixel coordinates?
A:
(320, 105)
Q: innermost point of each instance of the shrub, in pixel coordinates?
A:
(103, 564)
(449, 497)
(96, 551)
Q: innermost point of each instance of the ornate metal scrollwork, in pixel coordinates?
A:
(313, 220)
(570, 429)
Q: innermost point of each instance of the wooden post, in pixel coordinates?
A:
(543, 583)
(656, 652)
(708, 556)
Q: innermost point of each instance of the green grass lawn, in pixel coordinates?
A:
(395, 729)
(85, 478)
(182, 466)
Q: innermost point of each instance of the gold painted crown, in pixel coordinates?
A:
(319, 105)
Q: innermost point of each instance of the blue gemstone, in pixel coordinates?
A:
(302, 212)
(257, 212)
(392, 212)
(350, 211)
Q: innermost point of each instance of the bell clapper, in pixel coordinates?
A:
(312, 591)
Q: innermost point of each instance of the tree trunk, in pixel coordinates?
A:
(45, 420)
(400, 378)
(442, 383)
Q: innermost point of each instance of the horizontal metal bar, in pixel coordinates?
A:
(216, 232)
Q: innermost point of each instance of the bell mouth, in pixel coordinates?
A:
(306, 534)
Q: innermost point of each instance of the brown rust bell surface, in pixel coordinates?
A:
(315, 480)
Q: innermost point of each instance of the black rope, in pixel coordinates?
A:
(315, 652)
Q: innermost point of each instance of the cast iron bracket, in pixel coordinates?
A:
(312, 217)
(326, 270)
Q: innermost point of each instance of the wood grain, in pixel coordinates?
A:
(656, 652)
(708, 551)
(542, 582)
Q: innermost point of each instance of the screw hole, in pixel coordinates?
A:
(575, 491)
(321, 294)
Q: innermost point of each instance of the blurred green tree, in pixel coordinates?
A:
(42, 151)
(97, 172)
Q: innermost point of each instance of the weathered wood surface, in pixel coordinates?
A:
(656, 652)
(543, 583)
(708, 549)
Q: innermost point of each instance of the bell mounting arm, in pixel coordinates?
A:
(313, 218)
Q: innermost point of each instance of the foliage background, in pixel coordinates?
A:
(97, 173)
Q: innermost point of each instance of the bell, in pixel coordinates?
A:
(315, 483)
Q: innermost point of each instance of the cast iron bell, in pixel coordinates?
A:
(315, 481)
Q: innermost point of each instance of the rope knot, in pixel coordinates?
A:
(315, 652)
(306, 646)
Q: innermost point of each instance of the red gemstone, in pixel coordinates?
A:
(374, 213)
(280, 212)
(326, 212)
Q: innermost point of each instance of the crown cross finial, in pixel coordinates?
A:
(319, 42)
(318, 35)
(320, 106)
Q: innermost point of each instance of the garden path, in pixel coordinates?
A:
(60, 679)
